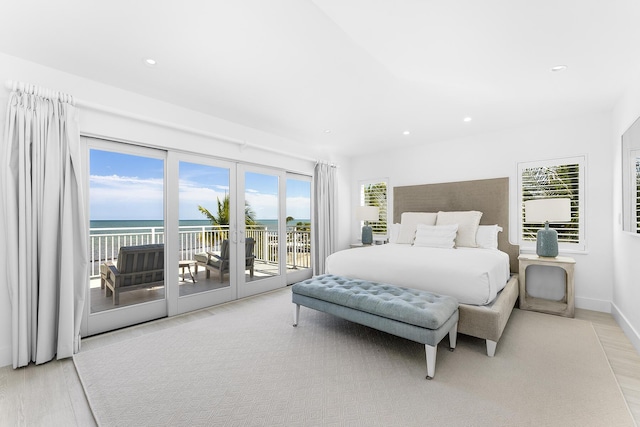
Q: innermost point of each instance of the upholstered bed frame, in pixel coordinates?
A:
(491, 197)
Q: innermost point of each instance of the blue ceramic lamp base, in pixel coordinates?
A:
(547, 242)
(367, 235)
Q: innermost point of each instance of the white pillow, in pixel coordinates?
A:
(409, 222)
(487, 236)
(394, 232)
(468, 222)
(436, 236)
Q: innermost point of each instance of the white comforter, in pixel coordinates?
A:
(473, 276)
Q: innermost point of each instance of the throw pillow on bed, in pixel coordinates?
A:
(410, 220)
(468, 222)
(394, 233)
(436, 236)
(487, 236)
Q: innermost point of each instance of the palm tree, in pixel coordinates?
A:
(222, 216)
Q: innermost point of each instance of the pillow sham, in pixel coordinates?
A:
(409, 222)
(487, 236)
(436, 236)
(468, 222)
(394, 232)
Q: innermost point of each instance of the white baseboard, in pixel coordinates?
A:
(627, 328)
(593, 304)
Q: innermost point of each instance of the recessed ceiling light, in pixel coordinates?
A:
(327, 131)
(150, 62)
(406, 132)
(559, 68)
(467, 119)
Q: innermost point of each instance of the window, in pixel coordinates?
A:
(636, 192)
(374, 193)
(558, 178)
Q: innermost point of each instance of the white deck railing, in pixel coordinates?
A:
(105, 243)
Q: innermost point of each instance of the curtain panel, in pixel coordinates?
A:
(324, 214)
(44, 258)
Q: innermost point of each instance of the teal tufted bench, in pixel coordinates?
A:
(413, 314)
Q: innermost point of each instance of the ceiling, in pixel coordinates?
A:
(345, 76)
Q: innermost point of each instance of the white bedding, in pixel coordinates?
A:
(473, 276)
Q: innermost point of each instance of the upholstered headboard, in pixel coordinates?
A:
(489, 196)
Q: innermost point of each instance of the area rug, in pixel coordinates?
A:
(246, 365)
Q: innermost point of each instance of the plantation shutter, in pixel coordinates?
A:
(637, 194)
(545, 182)
(375, 194)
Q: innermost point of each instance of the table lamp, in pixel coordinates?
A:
(366, 214)
(547, 210)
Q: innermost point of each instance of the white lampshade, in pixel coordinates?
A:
(367, 213)
(551, 210)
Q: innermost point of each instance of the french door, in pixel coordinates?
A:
(127, 211)
(260, 229)
(174, 232)
(205, 245)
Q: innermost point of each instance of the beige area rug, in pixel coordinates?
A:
(246, 366)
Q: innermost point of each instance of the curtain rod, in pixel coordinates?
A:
(13, 85)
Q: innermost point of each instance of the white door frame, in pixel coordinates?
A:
(94, 323)
(184, 304)
(254, 287)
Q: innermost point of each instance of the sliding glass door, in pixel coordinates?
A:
(126, 238)
(174, 232)
(298, 231)
(207, 233)
(261, 230)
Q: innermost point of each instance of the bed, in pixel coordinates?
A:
(487, 286)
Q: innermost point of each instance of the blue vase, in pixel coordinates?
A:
(367, 235)
(547, 242)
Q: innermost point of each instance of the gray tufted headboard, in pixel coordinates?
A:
(489, 196)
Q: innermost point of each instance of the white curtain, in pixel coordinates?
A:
(44, 255)
(324, 214)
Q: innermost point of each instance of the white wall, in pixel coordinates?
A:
(97, 123)
(626, 246)
(496, 155)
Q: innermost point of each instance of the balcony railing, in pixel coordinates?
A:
(106, 242)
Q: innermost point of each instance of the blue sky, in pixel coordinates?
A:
(124, 186)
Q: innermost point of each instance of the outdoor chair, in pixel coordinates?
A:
(138, 267)
(220, 263)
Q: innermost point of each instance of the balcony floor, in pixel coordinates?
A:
(100, 302)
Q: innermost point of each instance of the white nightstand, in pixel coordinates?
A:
(564, 307)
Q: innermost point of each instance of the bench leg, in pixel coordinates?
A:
(296, 314)
(453, 337)
(430, 351)
(491, 348)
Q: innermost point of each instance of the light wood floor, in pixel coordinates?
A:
(51, 394)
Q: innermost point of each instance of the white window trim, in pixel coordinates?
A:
(581, 247)
(364, 182)
(634, 155)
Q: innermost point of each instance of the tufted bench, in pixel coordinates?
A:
(416, 315)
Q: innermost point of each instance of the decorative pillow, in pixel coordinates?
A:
(487, 236)
(468, 222)
(409, 222)
(394, 232)
(436, 236)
